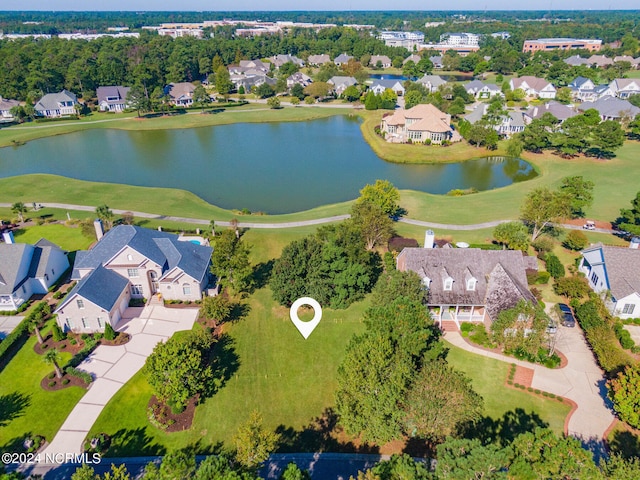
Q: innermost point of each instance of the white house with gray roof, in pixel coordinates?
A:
(481, 90)
(379, 86)
(54, 105)
(5, 109)
(148, 262)
(616, 270)
(112, 98)
(469, 284)
(342, 58)
(27, 270)
(625, 87)
(612, 108)
(341, 83)
(432, 82)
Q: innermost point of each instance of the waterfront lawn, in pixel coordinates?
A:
(288, 379)
(615, 186)
(67, 238)
(27, 409)
(162, 201)
(251, 113)
(417, 153)
(488, 377)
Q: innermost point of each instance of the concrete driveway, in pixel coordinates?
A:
(112, 367)
(581, 380)
(8, 324)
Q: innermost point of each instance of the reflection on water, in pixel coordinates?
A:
(271, 167)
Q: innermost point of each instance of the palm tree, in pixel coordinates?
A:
(234, 224)
(212, 224)
(106, 215)
(19, 209)
(53, 357)
(36, 329)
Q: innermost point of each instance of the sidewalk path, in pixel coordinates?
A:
(299, 223)
(112, 366)
(581, 380)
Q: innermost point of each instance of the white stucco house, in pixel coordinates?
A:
(615, 270)
(27, 270)
(533, 86)
(132, 262)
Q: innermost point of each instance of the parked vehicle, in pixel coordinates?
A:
(590, 225)
(568, 320)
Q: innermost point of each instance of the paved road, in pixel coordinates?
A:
(112, 366)
(300, 223)
(581, 380)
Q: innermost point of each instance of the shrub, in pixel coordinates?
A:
(109, 332)
(81, 374)
(543, 245)
(554, 266)
(530, 389)
(52, 383)
(73, 341)
(589, 315)
(576, 240)
(537, 392)
(51, 375)
(466, 327)
(65, 381)
(58, 334)
(571, 287)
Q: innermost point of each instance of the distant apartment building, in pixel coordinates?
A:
(466, 39)
(401, 39)
(546, 44)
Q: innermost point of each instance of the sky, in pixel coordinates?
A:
(265, 5)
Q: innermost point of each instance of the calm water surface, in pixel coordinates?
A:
(270, 167)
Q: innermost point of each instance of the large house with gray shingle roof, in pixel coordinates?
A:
(142, 263)
(57, 104)
(612, 108)
(27, 270)
(112, 98)
(469, 284)
(616, 270)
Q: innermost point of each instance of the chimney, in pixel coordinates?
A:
(97, 225)
(8, 237)
(429, 239)
(635, 243)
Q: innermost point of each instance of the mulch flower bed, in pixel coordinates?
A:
(175, 422)
(120, 339)
(62, 346)
(58, 382)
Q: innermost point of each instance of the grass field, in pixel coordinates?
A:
(488, 377)
(27, 409)
(68, 238)
(288, 379)
(252, 113)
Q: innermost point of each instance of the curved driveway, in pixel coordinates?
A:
(581, 380)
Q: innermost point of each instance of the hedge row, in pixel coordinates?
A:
(21, 332)
(599, 330)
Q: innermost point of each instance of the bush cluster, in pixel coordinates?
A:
(598, 327)
(81, 374)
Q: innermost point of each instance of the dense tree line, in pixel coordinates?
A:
(33, 67)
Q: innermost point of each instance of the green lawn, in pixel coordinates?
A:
(253, 113)
(68, 238)
(488, 377)
(288, 379)
(25, 408)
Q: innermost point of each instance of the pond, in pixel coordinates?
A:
(269, 167)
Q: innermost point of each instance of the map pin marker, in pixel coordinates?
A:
(305, 328)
